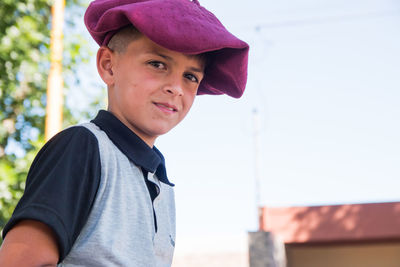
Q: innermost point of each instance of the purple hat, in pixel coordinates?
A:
(179, 25)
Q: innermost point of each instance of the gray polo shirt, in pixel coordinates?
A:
(105, 194)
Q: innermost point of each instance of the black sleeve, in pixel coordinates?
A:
(61, 186)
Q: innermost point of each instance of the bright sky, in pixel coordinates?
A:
(325, 77)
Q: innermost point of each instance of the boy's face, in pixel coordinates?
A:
(150, 88)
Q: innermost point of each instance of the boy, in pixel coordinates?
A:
(97, 194)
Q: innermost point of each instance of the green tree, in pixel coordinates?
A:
(24, 65)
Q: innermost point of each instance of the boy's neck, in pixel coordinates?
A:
(149, 140)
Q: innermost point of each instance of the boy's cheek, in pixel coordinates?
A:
(186, 111)
(192, 99)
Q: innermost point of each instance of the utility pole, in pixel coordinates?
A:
(257, 182)
(54, 107)
(265, 250)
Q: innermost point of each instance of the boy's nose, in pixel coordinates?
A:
(174, 87)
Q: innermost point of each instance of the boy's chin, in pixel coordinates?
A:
(156, 132)
(163, 131)
(164, 127)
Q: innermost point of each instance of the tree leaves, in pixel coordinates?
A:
(24, 65)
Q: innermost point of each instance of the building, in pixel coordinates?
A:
(358, 235)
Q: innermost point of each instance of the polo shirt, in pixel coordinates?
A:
(105, 194)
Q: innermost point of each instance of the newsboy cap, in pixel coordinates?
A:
(179, 25)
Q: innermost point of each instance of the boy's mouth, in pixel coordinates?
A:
(166, 107)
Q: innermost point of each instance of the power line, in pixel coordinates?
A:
(326, 20)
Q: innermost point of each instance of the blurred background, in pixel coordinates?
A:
(319, 122)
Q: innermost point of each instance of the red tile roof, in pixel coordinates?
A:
(338, 223)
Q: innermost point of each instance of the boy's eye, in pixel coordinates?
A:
(191, 77)
(157, 64)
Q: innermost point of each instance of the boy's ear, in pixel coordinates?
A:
(104, 64)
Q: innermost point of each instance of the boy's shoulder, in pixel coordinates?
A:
(72, 133)
(74, 137)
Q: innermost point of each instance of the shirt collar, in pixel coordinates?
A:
(132, 146)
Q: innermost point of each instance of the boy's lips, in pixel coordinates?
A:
(166, 107)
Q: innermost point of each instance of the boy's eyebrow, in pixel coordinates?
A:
(162, 55)
(196, 70)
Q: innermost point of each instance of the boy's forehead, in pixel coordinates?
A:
(178, 25)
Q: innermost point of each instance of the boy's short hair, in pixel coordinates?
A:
(123, 38)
